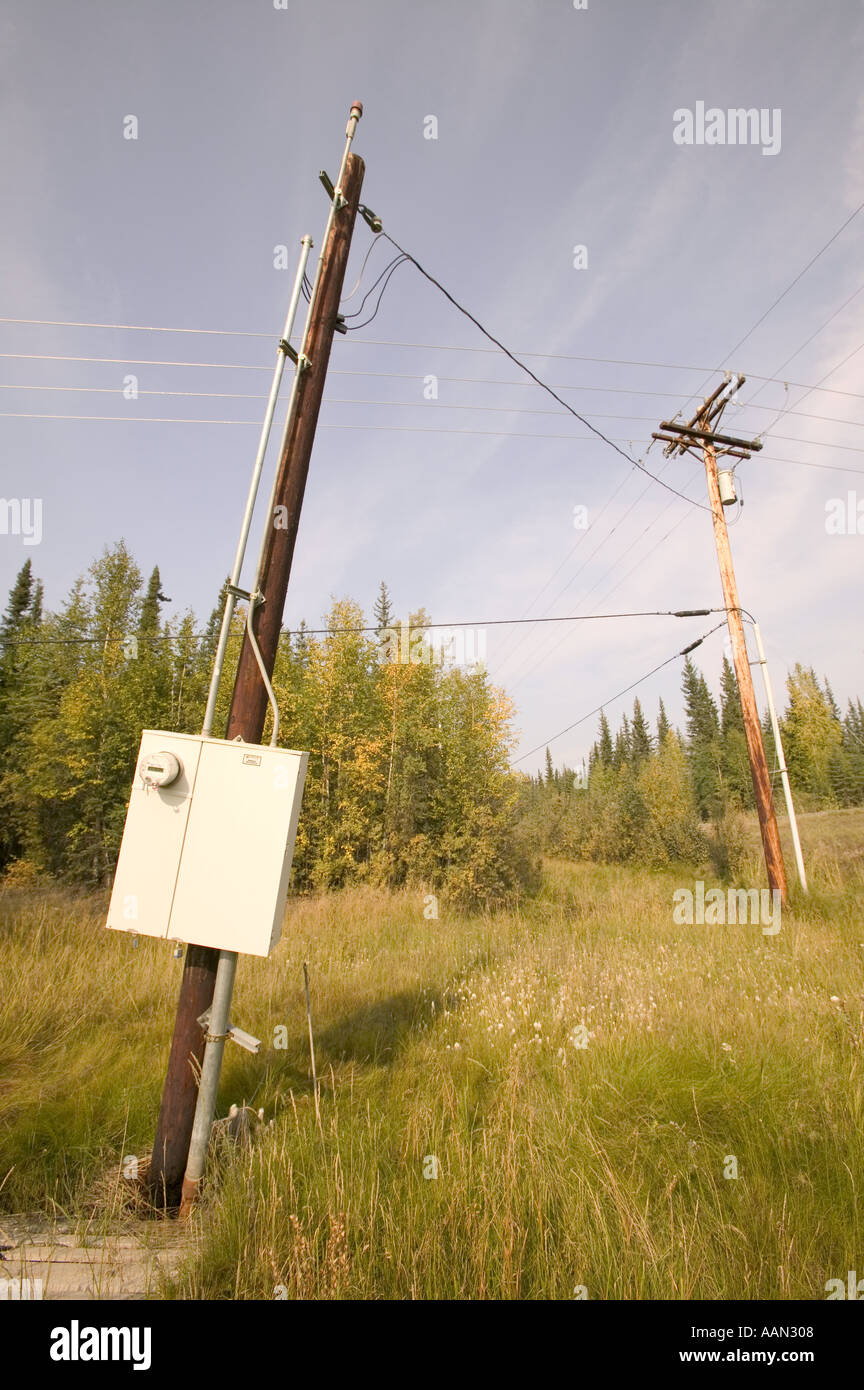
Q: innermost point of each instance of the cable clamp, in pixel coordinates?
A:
(237, 1035)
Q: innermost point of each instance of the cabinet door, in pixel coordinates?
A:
(233, 875)
(152, 845)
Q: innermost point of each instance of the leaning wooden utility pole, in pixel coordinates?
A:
(701, 433)
(195, 1056)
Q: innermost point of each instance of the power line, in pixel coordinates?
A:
(521, 365)
(773, 306)
(598, 547)
(375, 627)
(139, 328)
(684, 652)
(539, 656)
(399, 405)
(397, 429)
(410, 376)
(793, 283)
(415, 405)
(830, 372)
(623, 483)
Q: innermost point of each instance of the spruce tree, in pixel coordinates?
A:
(604, 743)
(383, 609)
(703, 741)
(663, 726)
(148, 623)
(18, 657)
(621, 750)
(736, 781)
(640, 737)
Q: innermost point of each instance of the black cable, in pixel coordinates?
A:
(684, 651)
(521, 365)
(395, 261)
(394, 266)
(380, 627)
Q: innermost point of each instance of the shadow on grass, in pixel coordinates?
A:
(373, 1034)
(376, 1032)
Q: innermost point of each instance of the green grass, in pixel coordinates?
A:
(558, 1165)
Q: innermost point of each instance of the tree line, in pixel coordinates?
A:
(660, 794)
(409, 778)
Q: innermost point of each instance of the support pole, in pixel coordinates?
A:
(249, 701)
(752, 728)
(231, 596)
(781, 759)
(216, 1037)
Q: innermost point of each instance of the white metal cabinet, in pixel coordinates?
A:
(207, 859)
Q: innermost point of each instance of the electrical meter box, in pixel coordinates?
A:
(208, 842)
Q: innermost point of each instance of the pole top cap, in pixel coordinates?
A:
(357, 109)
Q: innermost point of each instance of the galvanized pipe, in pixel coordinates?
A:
(784, 775)
(303, 359)
(217, 1033)
(302, 363)
(231, 598)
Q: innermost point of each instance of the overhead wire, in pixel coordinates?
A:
(390, 404)
(561, 732)
(523, 367)
(378, 627)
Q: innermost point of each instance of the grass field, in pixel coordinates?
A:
(453, 1046)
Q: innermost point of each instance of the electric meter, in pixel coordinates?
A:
(159, 769)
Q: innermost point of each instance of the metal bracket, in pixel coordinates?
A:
(303, 362)
(334, 194)
(237, 1035)
(258, 598)
(288, 350)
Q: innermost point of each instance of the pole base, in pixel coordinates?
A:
(190, 1194)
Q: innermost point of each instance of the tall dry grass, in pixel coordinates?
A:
(454, 1046)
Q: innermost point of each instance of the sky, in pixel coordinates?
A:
(526, 155)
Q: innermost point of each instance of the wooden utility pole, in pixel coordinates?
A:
(699, 433)
(249, 700)
(249, 706)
